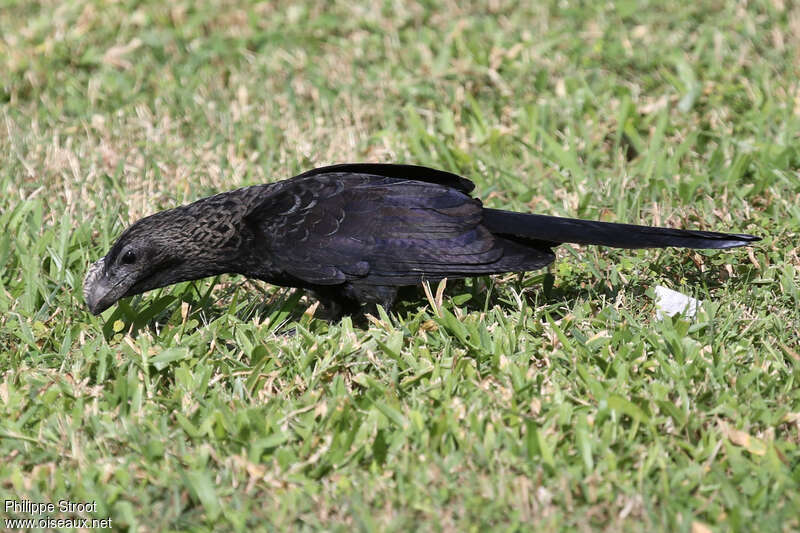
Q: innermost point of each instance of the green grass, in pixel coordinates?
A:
(553, 400)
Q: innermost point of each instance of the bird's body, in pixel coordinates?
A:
(353, 234)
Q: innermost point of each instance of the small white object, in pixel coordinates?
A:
(670, 303)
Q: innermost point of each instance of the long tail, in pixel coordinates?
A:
(558, 230)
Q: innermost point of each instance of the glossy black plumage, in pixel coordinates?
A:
(353, 234)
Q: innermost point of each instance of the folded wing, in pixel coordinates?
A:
(333, 227)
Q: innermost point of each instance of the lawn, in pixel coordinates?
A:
(546, 401)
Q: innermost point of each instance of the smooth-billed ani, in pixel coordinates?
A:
(353, 234)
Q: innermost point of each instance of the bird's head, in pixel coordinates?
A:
(159, 250)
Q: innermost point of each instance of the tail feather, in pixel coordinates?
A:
(558, 230)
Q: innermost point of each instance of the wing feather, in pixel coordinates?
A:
(327, 228)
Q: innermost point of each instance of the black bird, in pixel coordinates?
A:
(353, 234)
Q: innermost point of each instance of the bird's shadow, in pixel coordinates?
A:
(282, 309)
(199, 304)
(545, 292)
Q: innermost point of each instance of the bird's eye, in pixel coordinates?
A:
(129, 257)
